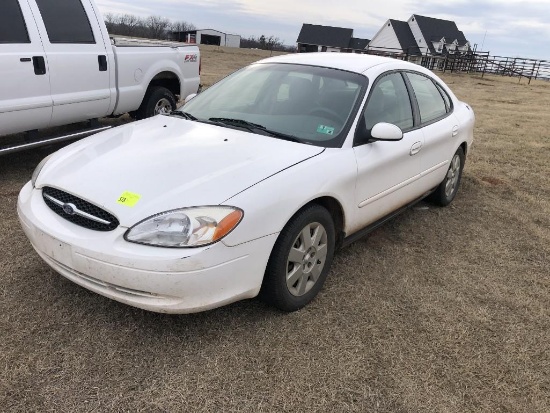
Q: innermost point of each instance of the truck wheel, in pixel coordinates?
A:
(157, 100)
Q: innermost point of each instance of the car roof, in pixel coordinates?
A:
(352, 62)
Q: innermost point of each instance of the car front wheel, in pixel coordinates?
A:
(447, 189)
(300, 260)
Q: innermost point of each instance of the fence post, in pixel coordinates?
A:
(486, 60)
(532, 72)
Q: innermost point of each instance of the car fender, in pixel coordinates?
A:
(270, 204)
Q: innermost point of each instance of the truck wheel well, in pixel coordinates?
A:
(169, 80)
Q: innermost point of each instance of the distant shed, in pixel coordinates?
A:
(208, 36)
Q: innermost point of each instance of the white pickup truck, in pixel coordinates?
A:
(58, 65)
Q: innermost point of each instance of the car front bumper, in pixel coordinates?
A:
(165, 280)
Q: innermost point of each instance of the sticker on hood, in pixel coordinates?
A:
(128, 199)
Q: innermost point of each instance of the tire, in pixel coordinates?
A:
(446, 191)
(157, 100)
(300, 260)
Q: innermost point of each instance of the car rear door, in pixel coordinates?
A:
(25, 99)
(77, 59)
(439, 127)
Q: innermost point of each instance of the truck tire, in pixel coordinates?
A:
(157, 100)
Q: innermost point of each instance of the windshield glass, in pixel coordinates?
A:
(310, 103)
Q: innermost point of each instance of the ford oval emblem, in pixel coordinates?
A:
(69, 209)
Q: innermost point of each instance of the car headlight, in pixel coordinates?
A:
(38, 168)
(186, 227)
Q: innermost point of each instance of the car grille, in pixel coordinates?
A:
(78, 211)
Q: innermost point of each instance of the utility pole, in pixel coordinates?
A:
(483, 42)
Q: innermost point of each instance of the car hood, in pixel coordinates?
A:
(169, 163)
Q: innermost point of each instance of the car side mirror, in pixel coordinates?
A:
(188, 98)
(383, 131)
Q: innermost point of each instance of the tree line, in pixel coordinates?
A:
(266, 43)
(156, 27)
(152, 27)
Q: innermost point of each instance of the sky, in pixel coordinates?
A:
(502, 27)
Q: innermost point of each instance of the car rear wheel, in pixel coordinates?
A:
(157, 100)
(447, 189)
(300, 260)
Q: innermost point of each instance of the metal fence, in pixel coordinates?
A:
(478, 62)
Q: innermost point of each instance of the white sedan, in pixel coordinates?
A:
(251, 186)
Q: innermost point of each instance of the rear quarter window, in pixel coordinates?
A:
(446, 97)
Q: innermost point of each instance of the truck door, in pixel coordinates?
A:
(25, 100)
(77, 58)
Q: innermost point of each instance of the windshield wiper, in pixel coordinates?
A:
(237, 122)
(284, 136)
(253, 127)
(182, 114)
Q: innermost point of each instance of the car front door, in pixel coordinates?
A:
(387, 172)
(77, 58)
(25, 99)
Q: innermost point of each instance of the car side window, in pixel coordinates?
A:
(446, 97)
(430, 102)
(12, 23)
(389, 102)
(66, 21)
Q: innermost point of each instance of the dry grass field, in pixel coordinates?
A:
(441, 310)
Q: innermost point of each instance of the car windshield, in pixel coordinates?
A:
(308, 104)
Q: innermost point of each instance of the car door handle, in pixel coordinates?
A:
(455, 130)
(102, 61)
(25, 59)
(415, 148)
(39, 65)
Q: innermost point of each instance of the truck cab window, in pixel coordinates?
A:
(66, 21)
(12, 24)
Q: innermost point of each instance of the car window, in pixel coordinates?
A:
(249, 92)
(292, 81)
(313, 104)
(446, 97)
(66, 21)
(389, 102)
(12, 24)
(430, 102)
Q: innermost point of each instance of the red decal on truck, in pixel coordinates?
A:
(189, 58)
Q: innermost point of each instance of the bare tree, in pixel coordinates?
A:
(178, 27)
(111, 21)
(273, 43)
(157, 27)
(182, 26)
(130, 25)
(266, 43)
